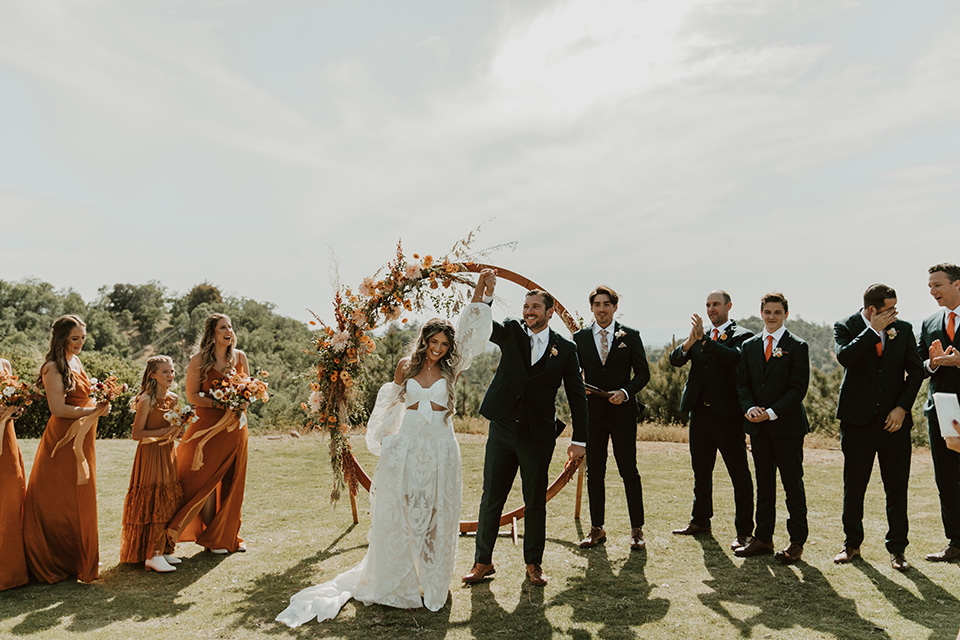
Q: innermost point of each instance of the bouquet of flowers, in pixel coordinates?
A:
(181, 417)
(107, 390)
(15, 393)
(235, 391)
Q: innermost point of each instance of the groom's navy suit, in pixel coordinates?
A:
(520, 404)
(872, 386)
(780, 384)
(946, 463)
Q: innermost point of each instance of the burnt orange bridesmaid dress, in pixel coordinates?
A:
(223, 473)
(154, 495)
(60, 507)
(13, 563)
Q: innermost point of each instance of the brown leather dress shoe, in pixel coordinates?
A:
(948, 554)
(691, 530)
(740, 541)
(536, 575)
(847, 554)
(898, 562)
(595, 537)
(479, 572)
(754, 548)
(791, 554)
(636, 539)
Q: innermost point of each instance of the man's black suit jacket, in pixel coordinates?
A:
(626, 355)
(944, 379)
(779, 384)
(513, 380)
(876, 384)
(714, 361)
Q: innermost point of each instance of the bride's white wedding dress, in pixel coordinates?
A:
(414, 499)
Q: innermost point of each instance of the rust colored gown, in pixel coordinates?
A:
(154, 495)
(224, 473)
(13, 563)
(59, 515)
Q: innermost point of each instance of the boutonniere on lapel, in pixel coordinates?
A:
(778, 353)
(554, 352)
(723, 336)
(891, 333)
(620, 334)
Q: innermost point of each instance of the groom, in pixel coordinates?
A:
(520, 405)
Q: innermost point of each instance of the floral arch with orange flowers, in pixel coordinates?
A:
(406, 285)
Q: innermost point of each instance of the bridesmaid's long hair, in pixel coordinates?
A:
(418, 359)
(206, 345)
(148, 385)
(57, 354)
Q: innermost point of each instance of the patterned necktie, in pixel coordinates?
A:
(715, 334)
(769, 350)
(604, 349)
(952, 325)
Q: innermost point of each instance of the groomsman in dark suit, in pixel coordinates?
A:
(939, 346)
(716, 420)
(772, 380)
(520, 404)
(882, 376)
(615, 366)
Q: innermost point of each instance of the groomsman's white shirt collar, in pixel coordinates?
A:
(776, 336)
(720, 329)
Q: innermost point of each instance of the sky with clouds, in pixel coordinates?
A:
(665, 147)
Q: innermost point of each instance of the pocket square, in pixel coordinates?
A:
(622, 345)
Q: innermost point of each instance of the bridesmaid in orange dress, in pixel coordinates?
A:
(60, 507)
(13, 564)
(154, 494)
(212, 456)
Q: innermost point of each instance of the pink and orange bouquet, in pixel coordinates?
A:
(235, 391)
(15, 393)
(107, 390)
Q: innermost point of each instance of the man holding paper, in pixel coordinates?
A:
(938, 345)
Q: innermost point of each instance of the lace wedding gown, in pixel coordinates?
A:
(414, 499)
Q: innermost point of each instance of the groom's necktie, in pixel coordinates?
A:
(952, 326)
(604, 348)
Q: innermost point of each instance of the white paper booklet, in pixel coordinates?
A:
(948, 410)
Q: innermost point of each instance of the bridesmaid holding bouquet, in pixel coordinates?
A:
(60, 507)
(13, 563)
(154, 495)
(212, 457)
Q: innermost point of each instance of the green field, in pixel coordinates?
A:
(677, 588)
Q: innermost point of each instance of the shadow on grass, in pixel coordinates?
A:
(124, 592)
(928, 610)
(783, 597)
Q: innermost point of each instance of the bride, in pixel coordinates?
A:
(416, 491)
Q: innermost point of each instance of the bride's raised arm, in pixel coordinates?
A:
(476, 322)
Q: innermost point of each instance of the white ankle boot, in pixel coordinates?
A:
(158, 564)
(172, 559)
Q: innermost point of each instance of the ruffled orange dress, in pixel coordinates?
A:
(60, 515)
(154, 495)
(224, 473)
(13, 483)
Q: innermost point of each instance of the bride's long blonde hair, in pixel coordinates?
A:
(448, 364)
(207, 343)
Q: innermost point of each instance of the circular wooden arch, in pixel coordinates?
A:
(468, 526)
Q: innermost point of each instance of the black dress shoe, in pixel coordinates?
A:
(791, 554)
(691, 530)
(948, 554)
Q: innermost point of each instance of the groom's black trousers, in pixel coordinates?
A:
(511, 447)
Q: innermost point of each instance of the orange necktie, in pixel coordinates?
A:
(880, 348)
(951, 325)
(769, 349)
(715, 334)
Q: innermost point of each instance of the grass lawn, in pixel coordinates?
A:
(676, 588)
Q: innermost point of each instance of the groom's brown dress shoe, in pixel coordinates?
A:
(536, 575)
(754, 548)
(847, 554)
(898, 562)
(740, 541)
(948, 554)
(691, 530)
(791, 554)
(595, 537)
(479, 572)
(636, 539)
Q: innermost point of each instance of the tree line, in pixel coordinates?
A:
(127, 323)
